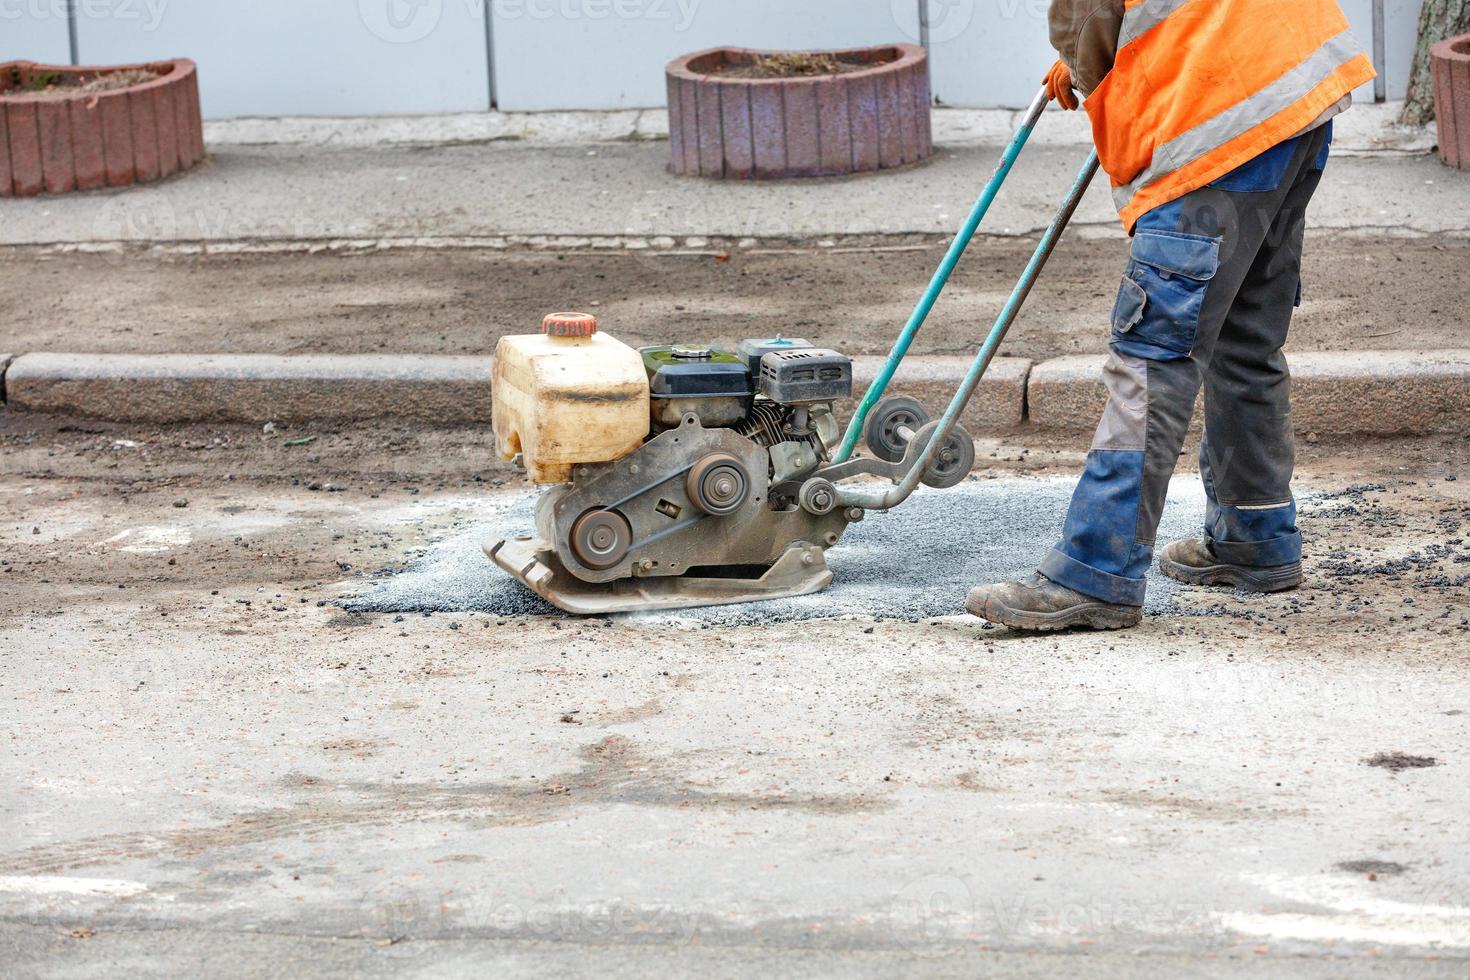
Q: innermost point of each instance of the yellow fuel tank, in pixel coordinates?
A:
(568, 395)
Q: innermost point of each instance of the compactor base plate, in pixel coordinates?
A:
(801, 570)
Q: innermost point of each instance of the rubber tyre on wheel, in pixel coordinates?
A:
(880, 432)
(954, 460)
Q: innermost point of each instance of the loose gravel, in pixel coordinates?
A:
(913, 563)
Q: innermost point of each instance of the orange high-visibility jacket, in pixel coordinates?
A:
(1201, 87)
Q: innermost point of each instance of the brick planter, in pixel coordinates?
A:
(90, 140)
(872, 118)
(1451, 64)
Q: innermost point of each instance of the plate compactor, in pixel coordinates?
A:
(686, 475)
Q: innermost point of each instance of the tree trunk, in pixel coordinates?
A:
(1440, 19)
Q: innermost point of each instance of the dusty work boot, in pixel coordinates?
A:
(1038, 603)
(1192, 562)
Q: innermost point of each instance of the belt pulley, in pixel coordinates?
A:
(601, 538)
(718, 484)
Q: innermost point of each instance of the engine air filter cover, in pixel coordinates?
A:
(805, 376)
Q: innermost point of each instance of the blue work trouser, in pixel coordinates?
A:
(1207, 300)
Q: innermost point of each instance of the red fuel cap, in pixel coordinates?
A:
(569, 325)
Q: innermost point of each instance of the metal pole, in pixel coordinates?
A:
(71, 31)
(1380, 51)
(941, 277)
(924, 24)
(490, 52)
(869, 499)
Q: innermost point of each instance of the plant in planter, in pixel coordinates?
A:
(1451, 61)
(70, 128)
(743, 114)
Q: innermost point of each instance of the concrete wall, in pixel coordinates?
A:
(351, 57)
(33, 34)
(554, 54)
(304, 57)
(988, 52)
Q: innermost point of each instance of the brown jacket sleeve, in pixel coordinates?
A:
(1085, 33)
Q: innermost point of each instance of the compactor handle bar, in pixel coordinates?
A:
(941, 276)
(871, 499)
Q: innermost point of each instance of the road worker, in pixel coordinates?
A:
(1213, 120)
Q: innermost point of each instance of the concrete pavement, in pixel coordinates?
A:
(194, 952)
(619, 196)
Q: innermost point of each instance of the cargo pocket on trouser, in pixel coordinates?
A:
(1157, 312)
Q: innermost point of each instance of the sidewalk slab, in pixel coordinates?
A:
(1333, 392)
(621, 195)
(1367, 130)
(251, 387)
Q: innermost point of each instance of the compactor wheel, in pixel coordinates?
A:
(882, 432)
(952, 462)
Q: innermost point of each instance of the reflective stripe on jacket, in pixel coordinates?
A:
(1201, 87)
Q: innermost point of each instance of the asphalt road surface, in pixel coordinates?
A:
(212, 768)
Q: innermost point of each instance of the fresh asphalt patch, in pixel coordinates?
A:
(912, 563)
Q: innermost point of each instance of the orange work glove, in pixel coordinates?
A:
(1059, 86)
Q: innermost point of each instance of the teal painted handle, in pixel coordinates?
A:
(879, 499)
(941, 277)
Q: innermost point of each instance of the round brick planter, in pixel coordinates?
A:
(90, 140)
(872, 118)
(1451, 65)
